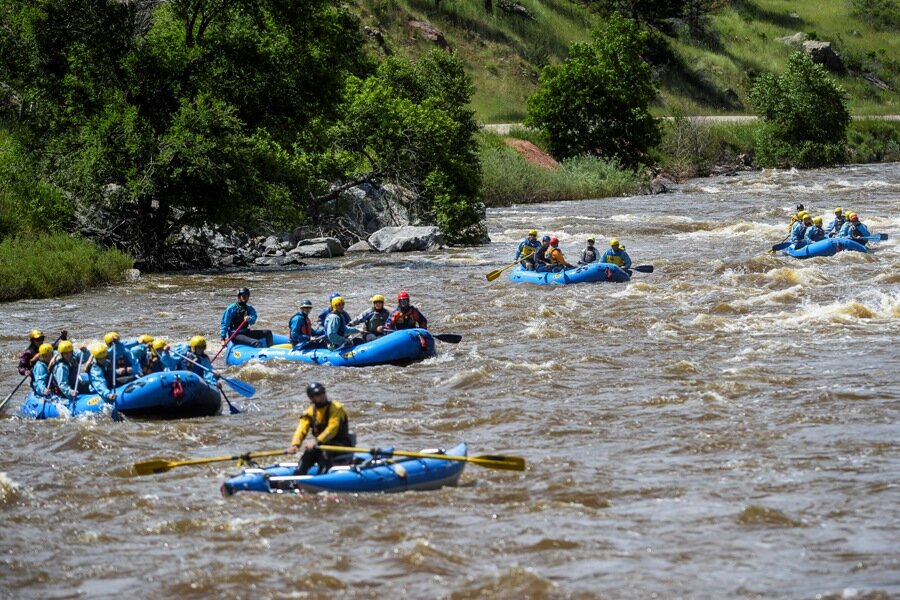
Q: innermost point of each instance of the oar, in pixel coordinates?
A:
(159, 465)
(228, 340)
(241, 387)
(490, 461)
(495, 274)
(779, 246)
(875, 237)
(449, 338)
(641, 268)
(10, 395)
(231, 407)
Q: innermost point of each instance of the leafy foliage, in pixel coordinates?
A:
(805, 113)
(881, 14)
(597, 102)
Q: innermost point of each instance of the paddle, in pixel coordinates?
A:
(641, 269)
(490, 461)
(158, 465)
(779, 246)
(231, 407)
(228, 340)
(241, 387)
(875, 237)
(495, 274)
(449, 338)
(10, 395)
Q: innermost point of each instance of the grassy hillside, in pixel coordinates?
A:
(504, 53)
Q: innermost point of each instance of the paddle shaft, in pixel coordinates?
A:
(512, 463)
(495, 274)
(161, 466)
(10, 395)
(241, 387)
(231, 337)
(231, 407)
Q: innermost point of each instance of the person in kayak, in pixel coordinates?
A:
(64, 381)
(324, 314)
(556, 257)
(336, 330)
(200, 360)
(835, 226)
(35, 339)
(538, 261)
(814, 232)
(405, 316)
(301, 329)
(589, 254)
(374, 319)
(328, 423)
(616, 255)
(527, 246)
(799, 230)
(241, 313)
(854, 228)
(101, 373)
(40, 370)
(161, 358)
(127, 368)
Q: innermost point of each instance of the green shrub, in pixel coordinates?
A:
(52, 265)
(880, 14)
(873, 141)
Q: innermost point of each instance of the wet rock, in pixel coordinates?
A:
(360, 246)
(406, 239)
(132, 275)
(661, 185)
(277, 261)
(824, 54)
(318, 248)
(271, 242)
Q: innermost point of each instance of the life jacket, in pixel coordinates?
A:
(612, 257)
(555, 256)
(854, 230)
(378, 318)
(72, 377)
(190, 366)
(238, 317)
(540, 255)
(412, 318)
(814, 234)
(341, 438)
(342, 324)
(589, 255)
(305, 324)
(527, 248)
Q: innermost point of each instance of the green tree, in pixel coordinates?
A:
(597, 102)
(805, 114)
(410, 124)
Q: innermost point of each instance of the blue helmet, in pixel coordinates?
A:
(546, 238)
(334, 295)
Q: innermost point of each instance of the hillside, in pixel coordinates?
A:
(504, 51)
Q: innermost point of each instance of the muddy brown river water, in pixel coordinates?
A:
(726, 427)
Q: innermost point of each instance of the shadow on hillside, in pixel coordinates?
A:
(748, 9)
(677, 75)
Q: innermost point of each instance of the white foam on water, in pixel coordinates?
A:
(9, 488)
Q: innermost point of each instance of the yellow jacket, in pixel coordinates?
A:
(328, 421)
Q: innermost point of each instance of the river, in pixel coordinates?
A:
(728, 426)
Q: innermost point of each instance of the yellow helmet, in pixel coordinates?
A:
(532, 232)
(613, 243)
(377, 298)
(36, 334)
(145, 339)
(99, 351)
(111, 337)
(851, 214)
(817, 220)
(159, 344)
(336, 301)
(197, 341)
(45, 349)
(838, 210)
(65, 346)
(806, 216)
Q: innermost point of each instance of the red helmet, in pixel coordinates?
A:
(403, 296)
(554, 241)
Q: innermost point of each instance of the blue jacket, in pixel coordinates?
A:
(233, 316)
(203, 359)
(336, 330)
(526, 242)
(101, 378)
(141, 356)
(324, 314)
(851, 231)
(797, 232)
(617, 257)
(835, 226)
(813, 234)
(64, 378)
(372, 319)
(299, 330)
(40, 378)
(121, 352)
(164, 362)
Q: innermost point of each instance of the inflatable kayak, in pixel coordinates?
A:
(826, 247)
(368, 474)
(397, 348)
(591, 273)
(166, 395)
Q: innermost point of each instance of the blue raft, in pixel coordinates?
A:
(397, 348)
(166, 395)
(596, 272)
(369, 474)
(826, 247)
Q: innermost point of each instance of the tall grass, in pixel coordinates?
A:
(507, 178)
(55, 264)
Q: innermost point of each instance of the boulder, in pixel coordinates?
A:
(430, 32)
(132, 275)
(406, 239)
(793, 40)
(276, 261)
(360, 246)
(318, 248)
(661, 185)
(824, 54)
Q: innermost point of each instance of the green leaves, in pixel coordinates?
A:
(597, 101)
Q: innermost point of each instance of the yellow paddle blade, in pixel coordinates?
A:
(282, 346)
(150, 467)
(494, 274)
(159, 465)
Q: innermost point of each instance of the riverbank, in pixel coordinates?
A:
(51, 265)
